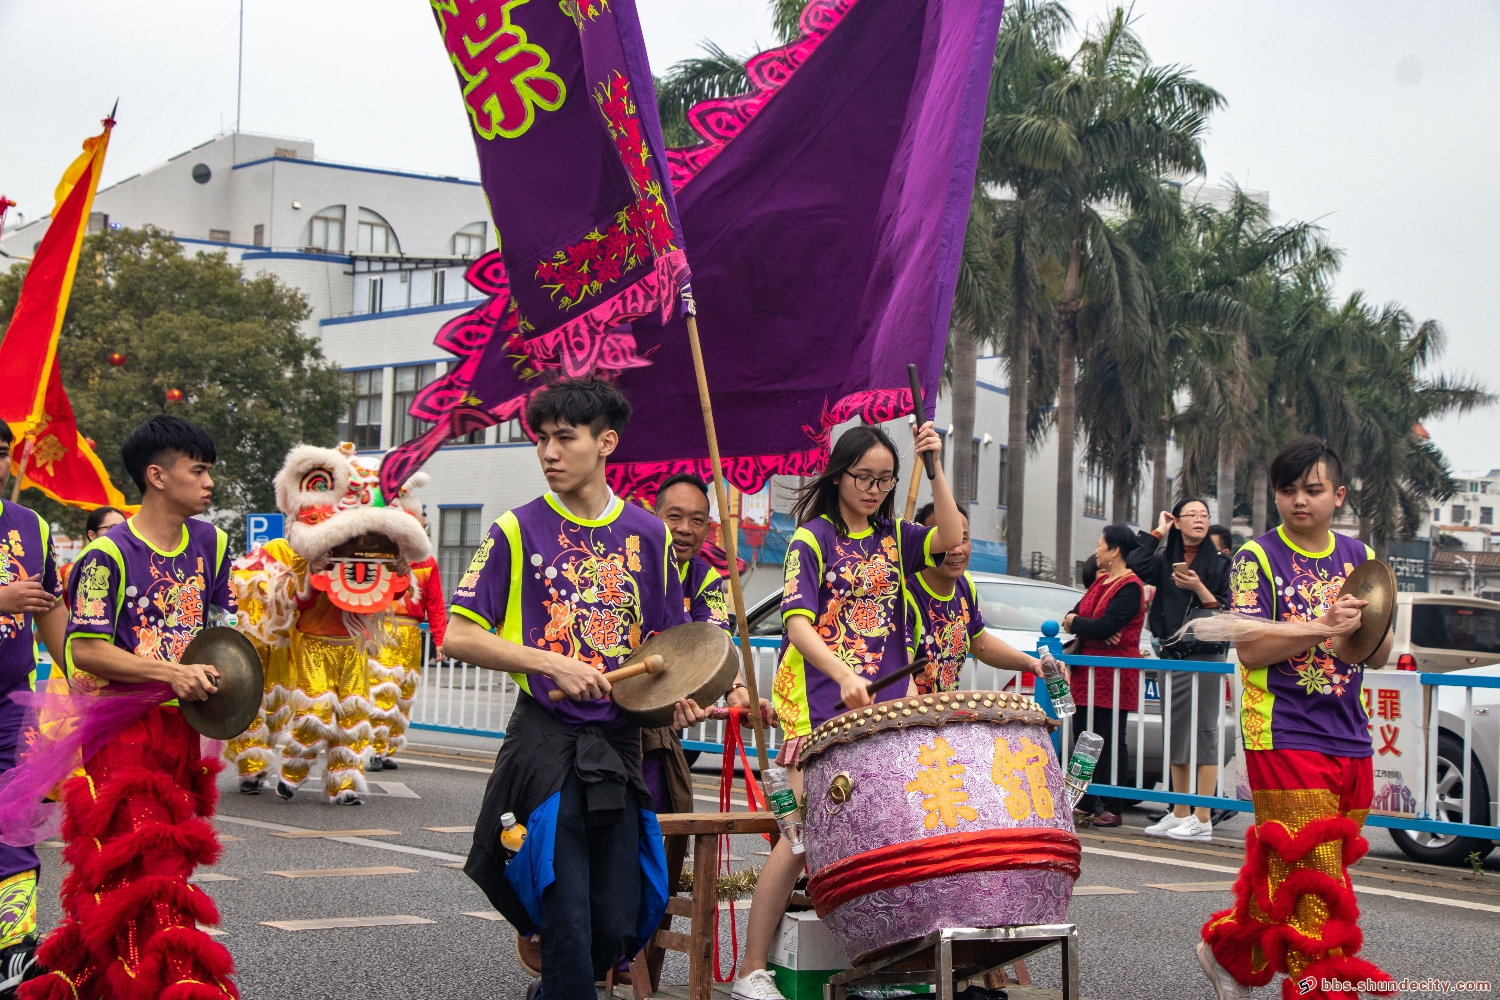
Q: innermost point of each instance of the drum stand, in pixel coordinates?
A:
(959, 953)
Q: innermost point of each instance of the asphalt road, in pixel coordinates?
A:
(1137, 943)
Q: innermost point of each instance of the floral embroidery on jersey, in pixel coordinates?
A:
(1309, 594)
(593, 603)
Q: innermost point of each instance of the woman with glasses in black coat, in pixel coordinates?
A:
(1190, 574)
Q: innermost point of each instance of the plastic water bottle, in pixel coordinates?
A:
(218, 616)
(1081, 765)
(783, 802)
(512, 835)
(1057, 686)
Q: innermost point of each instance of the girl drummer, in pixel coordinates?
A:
(845, 627)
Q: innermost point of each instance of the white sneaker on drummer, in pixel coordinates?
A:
(1226, 987)
(759, 985)
(1170, 821)
(1193, 829)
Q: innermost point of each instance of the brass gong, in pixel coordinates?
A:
(700, 664)
(229, 711)
(1371, 581)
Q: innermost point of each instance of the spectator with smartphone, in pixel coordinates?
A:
(1190, 575)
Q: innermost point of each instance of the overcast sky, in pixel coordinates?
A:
(1379, 120)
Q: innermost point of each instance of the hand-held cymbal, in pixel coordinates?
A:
(231, 708)
(650, 665)
(1374, 582)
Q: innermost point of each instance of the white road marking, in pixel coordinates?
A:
(1368, 890)
(342, 872)
(483, 914)
(212, 877)
(356, 841)
(1191, 886)
(397, 790)
(1102, 890)
(445, 764)
(212, 931)
(449, 829)
(335, 922)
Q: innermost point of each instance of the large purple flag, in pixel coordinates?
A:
(824, 213)
(560, 102)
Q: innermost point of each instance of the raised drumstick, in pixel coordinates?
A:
(652, 664)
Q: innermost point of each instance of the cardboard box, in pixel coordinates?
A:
(804, 956)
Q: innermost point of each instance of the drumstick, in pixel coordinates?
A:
(886, 682)
(652, 664)
(918, 411)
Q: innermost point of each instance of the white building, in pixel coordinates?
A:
(380, 256)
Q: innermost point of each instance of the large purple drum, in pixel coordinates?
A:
(938, 811)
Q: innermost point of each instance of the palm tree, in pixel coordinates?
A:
(1019, 145)
(1130, 123)
(977, 301)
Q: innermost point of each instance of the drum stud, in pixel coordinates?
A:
(906, 711)
(859, 722)
(927, 700)
(922, 710)
(943, 698)
(868, 712)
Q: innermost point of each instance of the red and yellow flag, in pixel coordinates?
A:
(50, 454)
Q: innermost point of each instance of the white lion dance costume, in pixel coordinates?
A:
(319, 607)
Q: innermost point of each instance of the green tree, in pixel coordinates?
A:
(1019, 145)
(232, 345)
(1125, 124)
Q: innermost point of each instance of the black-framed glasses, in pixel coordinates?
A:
(867, 483)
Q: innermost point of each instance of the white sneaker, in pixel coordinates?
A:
(1170, 821)
(1192, 829)
(1226, 987)
(759, 985)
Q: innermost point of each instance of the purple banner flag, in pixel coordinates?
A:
(825, 214)
(560, 101)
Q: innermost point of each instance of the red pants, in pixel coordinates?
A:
(136, 827)
(1294, 910)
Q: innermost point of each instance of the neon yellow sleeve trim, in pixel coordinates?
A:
(473, 616)
(798, 611)
(221, 545)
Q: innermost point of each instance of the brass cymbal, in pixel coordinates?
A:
(1372, 581)
(231, 709)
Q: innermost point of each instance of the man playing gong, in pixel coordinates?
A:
(1307, 745)
(561, 590)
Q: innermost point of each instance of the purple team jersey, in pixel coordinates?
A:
(1310, 702)
(943, 625)
(703, 592)
(852, 587)
(590, 589)
(143, 599)
(25, 554)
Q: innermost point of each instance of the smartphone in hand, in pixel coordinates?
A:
(1179, 567)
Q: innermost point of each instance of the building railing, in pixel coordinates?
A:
(457, 697)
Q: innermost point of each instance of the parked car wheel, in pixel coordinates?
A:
(1444, 848)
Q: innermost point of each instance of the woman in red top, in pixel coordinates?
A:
(1108, 623)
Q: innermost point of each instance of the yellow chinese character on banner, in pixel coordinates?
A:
(1028, 760)
(941, 786)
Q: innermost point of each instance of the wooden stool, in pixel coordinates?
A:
(698, 943)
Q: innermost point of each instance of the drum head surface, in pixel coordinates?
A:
(701, 664)
(229, 711)
(1373, 581)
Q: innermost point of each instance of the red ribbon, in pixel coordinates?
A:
(732, 743)
(932, 857)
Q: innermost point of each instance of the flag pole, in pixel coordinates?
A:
(15, 490)
(730, 541)
(919, 411)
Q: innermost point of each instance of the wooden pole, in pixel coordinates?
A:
(731, 542)
(919, 413)
(15, 490)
